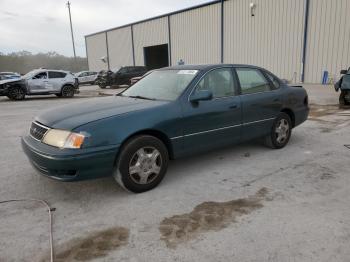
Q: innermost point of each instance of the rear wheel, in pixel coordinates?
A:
(344, 98)
(280, 132)
(16, 93)
(67, 91)
(142, 164)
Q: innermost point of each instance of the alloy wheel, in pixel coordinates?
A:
(282, 131)
(145, 165)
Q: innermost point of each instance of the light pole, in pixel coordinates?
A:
(71, 29)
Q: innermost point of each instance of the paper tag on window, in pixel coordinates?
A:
(187, 72)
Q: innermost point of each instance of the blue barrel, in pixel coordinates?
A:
(325, 78)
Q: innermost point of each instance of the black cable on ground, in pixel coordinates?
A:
(50, 217)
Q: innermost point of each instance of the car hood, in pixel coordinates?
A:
(5, 81)
(74, 115)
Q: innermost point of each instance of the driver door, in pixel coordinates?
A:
(38, 83)
(216, 122)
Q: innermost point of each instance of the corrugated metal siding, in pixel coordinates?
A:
(328, 45)
(120, 47)
(154, 32)
(273, 38)
(196, 35)
(96, 48)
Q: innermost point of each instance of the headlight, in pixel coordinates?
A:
(63, 139)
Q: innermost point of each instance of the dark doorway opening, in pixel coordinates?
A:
(156, 56)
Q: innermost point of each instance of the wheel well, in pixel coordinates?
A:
(290, 113)
(19, 86)
(68, 85)
(160, 135)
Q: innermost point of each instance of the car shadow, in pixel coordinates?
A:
(179, 169)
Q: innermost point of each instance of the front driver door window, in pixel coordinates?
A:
(215, 122)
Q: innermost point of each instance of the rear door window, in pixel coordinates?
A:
(252, 81)
(53, 74)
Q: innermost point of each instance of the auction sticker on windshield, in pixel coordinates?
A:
(187, 72)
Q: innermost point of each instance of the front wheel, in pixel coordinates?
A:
(280, 132)
(16, 93)
(142, 164)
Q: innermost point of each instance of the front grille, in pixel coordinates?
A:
(38, 131)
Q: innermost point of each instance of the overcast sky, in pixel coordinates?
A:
(43, 25)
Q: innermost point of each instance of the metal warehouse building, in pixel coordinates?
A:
(296, 39)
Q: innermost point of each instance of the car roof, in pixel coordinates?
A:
(52, 70)
(207, 66)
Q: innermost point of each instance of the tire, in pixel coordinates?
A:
(344, 98)
(67, 91)
(142, 164)
(280, 132)
(16, 93)
(102, 86)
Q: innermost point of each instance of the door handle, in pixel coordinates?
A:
(233, 107)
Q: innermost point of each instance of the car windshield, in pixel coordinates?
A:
(161, 85)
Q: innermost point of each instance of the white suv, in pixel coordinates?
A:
(41, 82)
(86, 77)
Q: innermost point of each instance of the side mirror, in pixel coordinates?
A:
(201, 95)
(284, 81)
(344, 72)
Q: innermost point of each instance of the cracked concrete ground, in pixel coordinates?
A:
(251, 203)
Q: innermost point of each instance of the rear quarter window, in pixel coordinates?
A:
(57, 74)
(275, 82)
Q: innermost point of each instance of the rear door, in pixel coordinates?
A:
(216, 122)
(261, 102)
(56, 81)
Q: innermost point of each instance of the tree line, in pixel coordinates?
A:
(22, 62)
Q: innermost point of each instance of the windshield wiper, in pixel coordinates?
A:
(142, 97)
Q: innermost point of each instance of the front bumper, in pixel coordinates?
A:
(70, 164)
(3, 91)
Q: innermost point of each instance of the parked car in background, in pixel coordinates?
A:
(119, 76)
(86, 77)
(9, 75)
(137, 78)
(344, 86)
(40, 82)
(170, 113)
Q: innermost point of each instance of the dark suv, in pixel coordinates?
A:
(119, 76)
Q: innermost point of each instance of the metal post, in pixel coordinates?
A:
(71, 28)
(132, 44)
(108, 66)
(169, 41)
(222, 31)
(306, 23)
